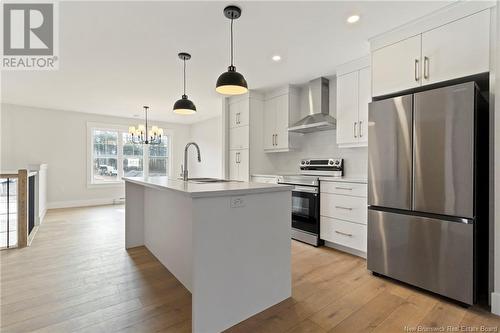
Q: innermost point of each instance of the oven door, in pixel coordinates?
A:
(305, 208)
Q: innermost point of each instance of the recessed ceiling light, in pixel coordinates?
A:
(276, 58)
(353, 19)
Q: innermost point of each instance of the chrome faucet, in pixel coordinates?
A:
(184, 171)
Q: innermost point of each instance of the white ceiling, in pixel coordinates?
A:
(117, 56)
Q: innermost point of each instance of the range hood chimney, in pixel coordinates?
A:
(319, 118)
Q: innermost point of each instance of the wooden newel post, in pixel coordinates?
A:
(22, 208)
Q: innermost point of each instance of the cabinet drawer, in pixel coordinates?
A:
(354, 189)
(344, 233)
(344, 207)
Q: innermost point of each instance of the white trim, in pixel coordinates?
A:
(80, 203)
(495, 303)
(452, 12)
(169, 133)
(346, 249)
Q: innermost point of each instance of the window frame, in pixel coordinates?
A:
(91, 126)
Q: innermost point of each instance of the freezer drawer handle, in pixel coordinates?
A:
(340, 207)
(343, 188)
(343, 233)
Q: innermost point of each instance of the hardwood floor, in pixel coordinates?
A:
(77, 277)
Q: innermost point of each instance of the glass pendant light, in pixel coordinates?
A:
(231, 82)
(184, 105)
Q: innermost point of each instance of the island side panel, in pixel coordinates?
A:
(134, 215)
(241, 258)
(168, 231)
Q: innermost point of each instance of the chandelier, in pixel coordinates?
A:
(141, 134)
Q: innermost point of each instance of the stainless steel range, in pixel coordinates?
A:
(305, 196)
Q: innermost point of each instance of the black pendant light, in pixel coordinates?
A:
(231, 82)
(184, 105)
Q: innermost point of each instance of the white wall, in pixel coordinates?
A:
(208, 135)
(59, 138)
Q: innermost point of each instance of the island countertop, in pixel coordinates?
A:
(197, 190)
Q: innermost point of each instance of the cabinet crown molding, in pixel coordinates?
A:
(354, 65)
(443, 16)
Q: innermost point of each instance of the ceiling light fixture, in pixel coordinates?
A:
(276, 58)
(141, 134)
(353, 19)
(184, 105)
(231, 82)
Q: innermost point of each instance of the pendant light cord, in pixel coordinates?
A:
(146, 131)
(232, 42)
(184, 76)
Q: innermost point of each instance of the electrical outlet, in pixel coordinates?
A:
(237, 202)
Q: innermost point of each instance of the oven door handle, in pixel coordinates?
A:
(305, 189)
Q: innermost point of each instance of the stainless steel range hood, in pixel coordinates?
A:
(319, 118)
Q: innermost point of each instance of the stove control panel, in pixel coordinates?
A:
(329, 166)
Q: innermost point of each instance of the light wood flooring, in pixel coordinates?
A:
(77, 277)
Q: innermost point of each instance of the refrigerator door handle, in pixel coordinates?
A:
(416, 70)
(426, 68)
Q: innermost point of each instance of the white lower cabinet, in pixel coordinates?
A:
(344, 233)
(344, 207)
(238, 164)
(238, 137)
(343, 215)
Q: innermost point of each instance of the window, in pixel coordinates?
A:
(158, 159)
(114, 156)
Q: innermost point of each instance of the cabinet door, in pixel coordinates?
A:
(238, 137)
(270, 123)
(233, 165)
(238, 113)
(233, 114)
(458, 49)
(364, 99)
(282, 108)
(243, 165)
(347, 108)
(397, 67)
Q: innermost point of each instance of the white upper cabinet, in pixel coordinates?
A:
(347, 107)
(353, 96)
(396, 67)
(239, 113)
(280, 111)
(365, 97)
(270, 107)
(458, 49)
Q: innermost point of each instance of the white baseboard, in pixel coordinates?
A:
(495, 303)
(346, 249)
(42, 216)
(80, 203)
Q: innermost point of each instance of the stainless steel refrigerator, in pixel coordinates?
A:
(427, 171)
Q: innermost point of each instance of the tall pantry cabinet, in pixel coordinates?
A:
(243, 114)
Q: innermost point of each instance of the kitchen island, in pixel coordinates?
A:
(228, 243)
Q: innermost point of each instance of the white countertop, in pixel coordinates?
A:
(197, 190)
(345, 179)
